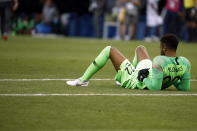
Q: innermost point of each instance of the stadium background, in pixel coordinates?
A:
(34, 96)
(32, 6)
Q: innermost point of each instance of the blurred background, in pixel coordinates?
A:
(108, 19)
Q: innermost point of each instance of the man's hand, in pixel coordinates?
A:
(143, 74)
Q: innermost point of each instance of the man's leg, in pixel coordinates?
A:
(116, 58)
(107, 53)
(143, 65)
(141, 53)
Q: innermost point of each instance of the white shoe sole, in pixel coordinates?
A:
(70, 84)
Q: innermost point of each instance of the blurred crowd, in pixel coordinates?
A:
(133, 19)
(149, 19)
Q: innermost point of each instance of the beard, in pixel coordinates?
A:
(162, 53)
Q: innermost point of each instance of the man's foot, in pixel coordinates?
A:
(77, 82)
(118, 83)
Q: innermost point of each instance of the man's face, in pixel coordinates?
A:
(162, 49)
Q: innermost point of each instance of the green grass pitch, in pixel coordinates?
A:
(57, 58)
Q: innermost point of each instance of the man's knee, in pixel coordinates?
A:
(113, 51)
(107, 51)
(140, 48)
(142, 53)
(108, 48)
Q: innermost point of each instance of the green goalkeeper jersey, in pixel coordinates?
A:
(169, 71)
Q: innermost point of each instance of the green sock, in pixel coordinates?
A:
(134, 63)
(97, 64)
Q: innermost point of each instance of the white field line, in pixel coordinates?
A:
(98, 94)
(48, 79)
(61, 79)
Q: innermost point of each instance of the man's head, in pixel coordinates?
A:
(169, 42)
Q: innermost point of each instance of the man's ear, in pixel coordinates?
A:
(165, 48)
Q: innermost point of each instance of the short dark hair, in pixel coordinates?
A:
(170, 40)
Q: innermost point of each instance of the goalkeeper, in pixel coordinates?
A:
(167, 69)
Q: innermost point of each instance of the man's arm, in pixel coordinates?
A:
(184, 84)
(155, 81)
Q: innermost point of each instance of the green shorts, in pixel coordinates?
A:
(127, 75)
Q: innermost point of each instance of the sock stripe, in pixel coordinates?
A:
(94, 62)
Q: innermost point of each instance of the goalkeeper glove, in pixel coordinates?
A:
(143, 74)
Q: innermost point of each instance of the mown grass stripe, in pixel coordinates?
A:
(98, 94)
(60, 79)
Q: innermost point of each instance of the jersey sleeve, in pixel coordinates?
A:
(184, 83)
(185, 61)
(154, 82)
(158, 61)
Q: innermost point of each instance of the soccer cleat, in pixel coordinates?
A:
(77, 82)
(118, 83)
